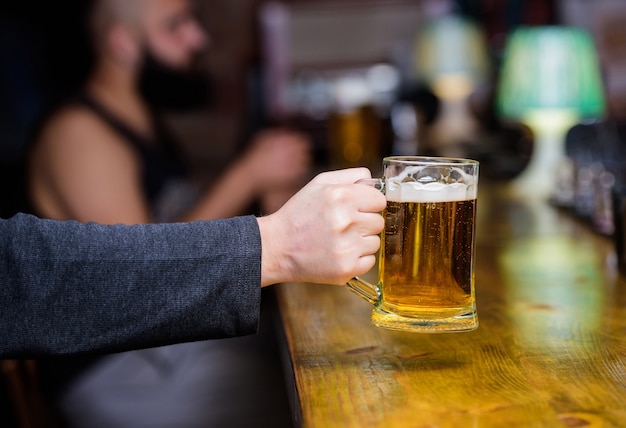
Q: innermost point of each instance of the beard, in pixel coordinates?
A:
(172, 89)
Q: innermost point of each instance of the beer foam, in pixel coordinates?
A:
(430, 192)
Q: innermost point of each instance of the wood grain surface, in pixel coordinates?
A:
(550, 350)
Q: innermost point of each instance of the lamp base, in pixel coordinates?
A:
(548, 164)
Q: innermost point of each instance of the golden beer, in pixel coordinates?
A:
(426, 259)
(426, 275)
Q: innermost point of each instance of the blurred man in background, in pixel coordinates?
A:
(103, 156)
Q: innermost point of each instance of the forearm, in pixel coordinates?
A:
(228, 197)
(73, 288)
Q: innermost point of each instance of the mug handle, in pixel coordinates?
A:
(360, 287)
(364, 289)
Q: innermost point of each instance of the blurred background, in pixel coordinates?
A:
(533, 89)
(363, 78)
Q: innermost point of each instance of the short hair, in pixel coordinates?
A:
(103, 14)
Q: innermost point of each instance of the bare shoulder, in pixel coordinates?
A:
(77, 142)
(81, 168)
(77, 128)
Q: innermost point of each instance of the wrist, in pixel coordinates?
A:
(275, 266)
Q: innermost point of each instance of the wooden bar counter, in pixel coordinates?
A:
(550, 350)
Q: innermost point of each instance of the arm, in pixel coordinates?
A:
(81, 170)
(69, 287)
(275, 165)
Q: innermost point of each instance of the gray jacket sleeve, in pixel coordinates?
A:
(69, 287)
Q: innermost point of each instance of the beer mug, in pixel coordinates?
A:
(426, 258)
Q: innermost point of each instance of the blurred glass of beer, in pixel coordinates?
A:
(426, 260)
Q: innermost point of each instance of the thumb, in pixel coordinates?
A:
(343, 176)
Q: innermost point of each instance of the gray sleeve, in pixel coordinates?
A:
(69, 287)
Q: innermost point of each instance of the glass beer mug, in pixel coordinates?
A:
(426, 259)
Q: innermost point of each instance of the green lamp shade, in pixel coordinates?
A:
(550, 68)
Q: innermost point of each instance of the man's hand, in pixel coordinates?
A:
(278, 159)
(327, 233)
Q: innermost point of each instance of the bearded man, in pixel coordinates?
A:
(104, 157)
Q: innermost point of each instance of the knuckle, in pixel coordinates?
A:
(346, 269)
(337, 194)
(368, 263)
(346, 262)
(339, 222)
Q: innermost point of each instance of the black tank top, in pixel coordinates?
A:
(160, 160)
